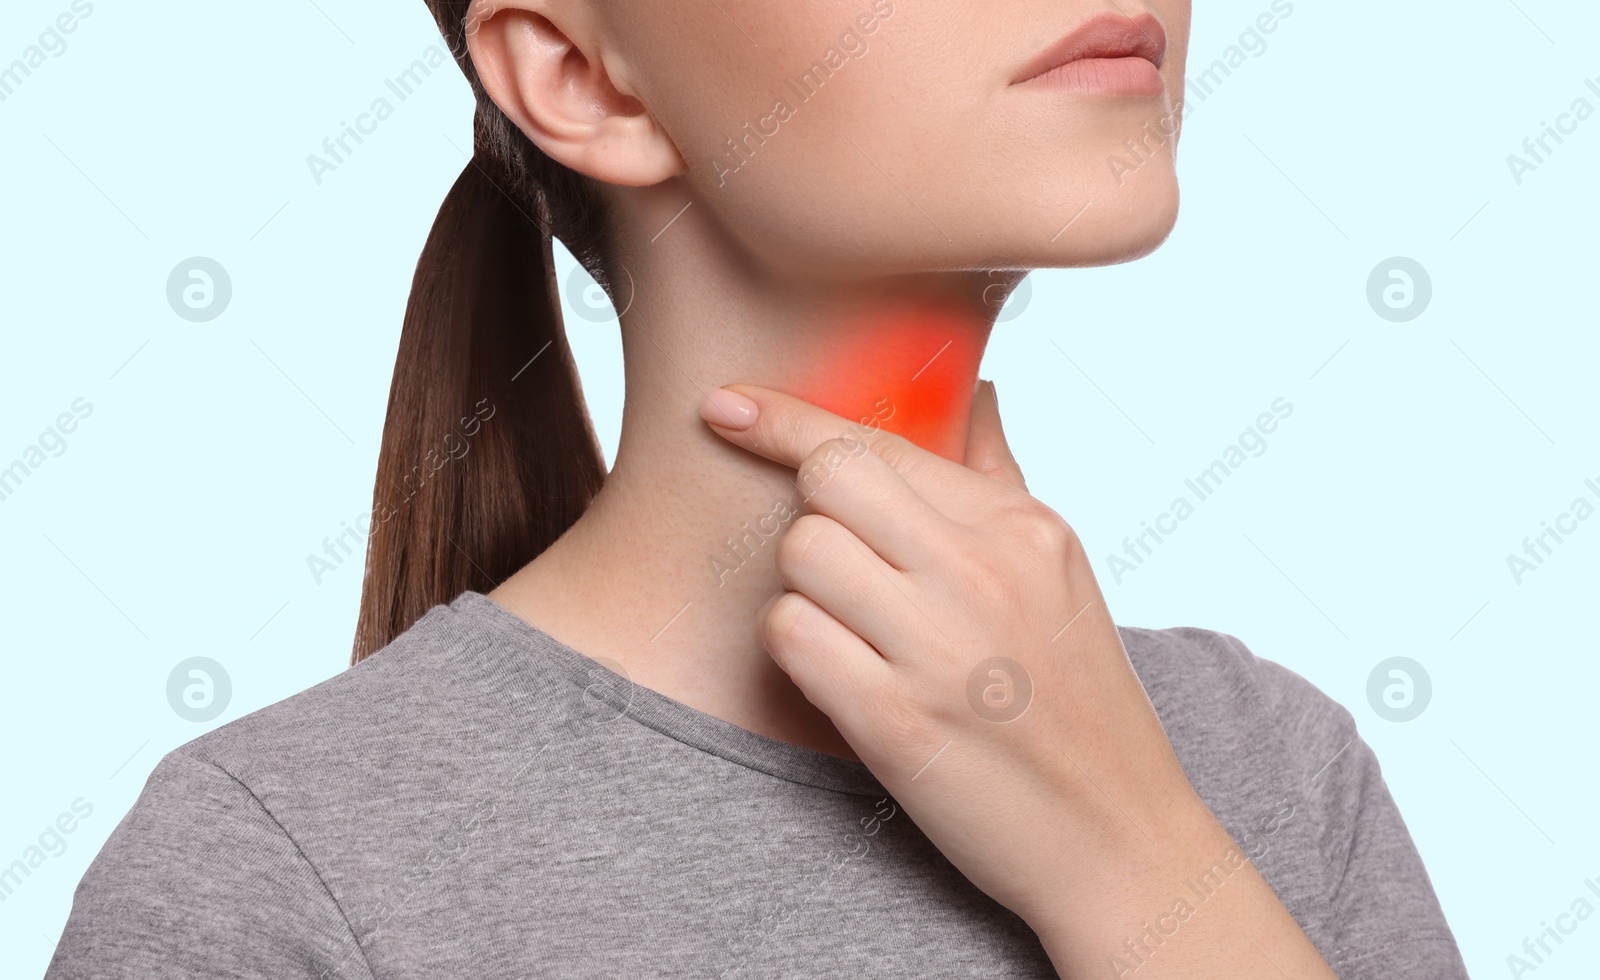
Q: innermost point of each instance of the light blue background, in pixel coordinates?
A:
(1376, 524)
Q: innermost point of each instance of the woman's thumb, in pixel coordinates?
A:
(987, 451)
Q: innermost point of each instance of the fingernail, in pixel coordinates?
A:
(766, 607)
(728, 409)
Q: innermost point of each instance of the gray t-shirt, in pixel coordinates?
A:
(479, 800)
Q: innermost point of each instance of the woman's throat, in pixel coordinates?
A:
(910, 372)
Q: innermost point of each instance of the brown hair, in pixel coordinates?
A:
(484, 370)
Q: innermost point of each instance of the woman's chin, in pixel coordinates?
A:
(1121, 229)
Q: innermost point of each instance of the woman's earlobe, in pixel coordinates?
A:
(542, 66)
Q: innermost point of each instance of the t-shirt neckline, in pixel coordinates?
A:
(668, 716)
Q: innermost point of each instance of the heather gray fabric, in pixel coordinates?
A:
(478, 800)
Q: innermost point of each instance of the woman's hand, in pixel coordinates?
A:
(951, 627)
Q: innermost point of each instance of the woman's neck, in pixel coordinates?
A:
(666, 571)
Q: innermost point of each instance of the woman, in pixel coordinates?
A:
(808, 684)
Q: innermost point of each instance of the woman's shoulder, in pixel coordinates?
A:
(253, 814)
(378, 697)
(1210, 675)
(1284, 768)
(405, 714)
(218, 866)
(1255, 738)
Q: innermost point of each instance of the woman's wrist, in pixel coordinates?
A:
(1092, 885)
(1187, 903)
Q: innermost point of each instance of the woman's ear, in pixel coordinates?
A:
(542, 63)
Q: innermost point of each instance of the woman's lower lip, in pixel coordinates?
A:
(1104, 76)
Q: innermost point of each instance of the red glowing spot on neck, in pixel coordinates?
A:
(909, 371)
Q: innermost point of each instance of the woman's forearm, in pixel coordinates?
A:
(1188, 905)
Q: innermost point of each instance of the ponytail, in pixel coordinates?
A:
(488, 454)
